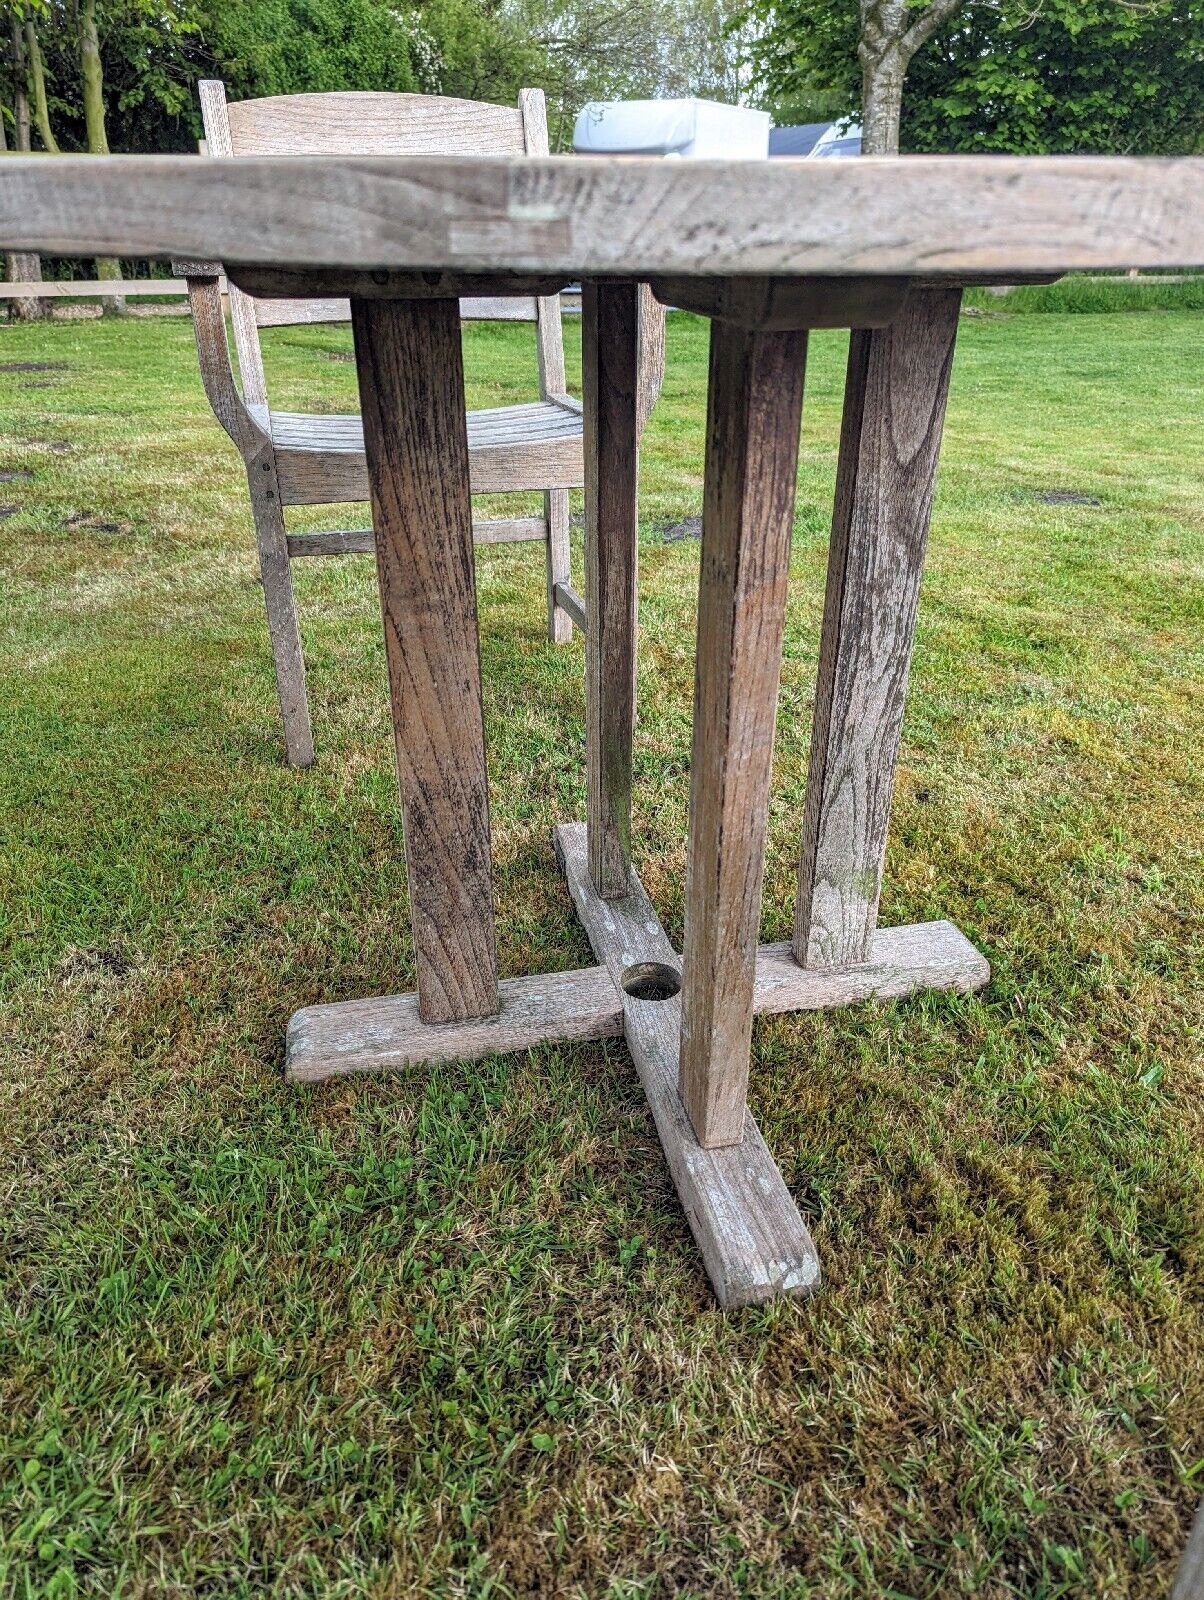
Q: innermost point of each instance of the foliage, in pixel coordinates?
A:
(1067, 75)
(1055, 75)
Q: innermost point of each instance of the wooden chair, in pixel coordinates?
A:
(297, 459)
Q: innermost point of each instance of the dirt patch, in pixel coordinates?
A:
(1066, 497)
(94, 525)
(40, 383)
(16, 475)
(8, 511)
(691, 528)
(35, 366)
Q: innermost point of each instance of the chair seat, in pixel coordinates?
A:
(320, 457)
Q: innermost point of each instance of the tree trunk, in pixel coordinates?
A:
(20, 72)
(37, 73)
(882, 104)
(92, 72)
(21, 266)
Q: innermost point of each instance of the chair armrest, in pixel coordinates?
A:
(217, 374)
(651, 354)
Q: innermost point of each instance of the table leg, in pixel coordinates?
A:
(411, 381)
(898, 381)
(610, 385)
(754, 408)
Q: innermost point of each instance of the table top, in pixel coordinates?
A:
(930, 216)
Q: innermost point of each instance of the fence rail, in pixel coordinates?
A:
(92, 288)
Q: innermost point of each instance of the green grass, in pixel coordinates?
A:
(447, 1333)
(1076, 293)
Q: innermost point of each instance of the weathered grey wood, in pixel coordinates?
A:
(292, 313)
(279, 283)
(271, 541)
(902, 961)
(898, 380)
(362, 541)
(561, 216)
(535, 446)
(559, 563)
(755, 396)
(550, 346)
(1189, 1580)
(652, 353)
(411, 382)
(753, 1242)
(215, 116)
(217, 375)
(610, 382)
(385, 1033)
(784, 303)
(349, 122)
(327, 1041)
(91, 288)
(569, 600)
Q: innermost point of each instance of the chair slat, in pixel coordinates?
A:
(354, 122)
(292, 313)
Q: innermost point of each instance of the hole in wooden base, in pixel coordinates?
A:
(651, 980)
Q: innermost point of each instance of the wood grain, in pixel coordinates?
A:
(378, 1035)
(348, 122)
(914, 215)
(411, 383)
(569, 600)
(610, 384)
(753, 1242)
(902, 961)
(898, 381)
(785, 303)
(284, 313)
(536, 446)
(362, 541)
(652, 354)
(284, 631)
(1189, 1580)
(218, 145)
(754, 405)
(382, 1034)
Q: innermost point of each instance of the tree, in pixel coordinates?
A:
(890, 34)
(1026, 75)
(849, 51)
(92, 76)
(1067, 75)
(20, 266)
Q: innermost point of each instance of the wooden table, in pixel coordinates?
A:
(767, 251)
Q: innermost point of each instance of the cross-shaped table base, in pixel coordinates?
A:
(753, 1241)
(687, 1019)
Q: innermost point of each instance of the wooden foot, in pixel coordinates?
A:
(382, 1034)
(610, 381)
(376, 1035)
(898, 380)
(753, 1241)
(411, 381)
(754, 406)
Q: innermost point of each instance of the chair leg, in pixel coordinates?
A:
(556, 511)
(285, 634)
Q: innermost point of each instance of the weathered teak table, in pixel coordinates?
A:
(767, 252)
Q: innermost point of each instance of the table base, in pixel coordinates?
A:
(753, 1242)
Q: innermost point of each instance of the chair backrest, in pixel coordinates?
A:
(374, 124)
